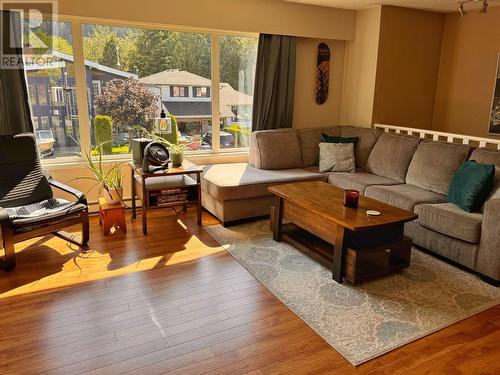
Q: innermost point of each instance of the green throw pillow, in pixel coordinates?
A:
(471, 185)
(325, 138)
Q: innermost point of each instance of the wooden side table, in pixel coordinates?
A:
(147, 186)
(111, 215)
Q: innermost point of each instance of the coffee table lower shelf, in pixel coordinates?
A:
(359, 264)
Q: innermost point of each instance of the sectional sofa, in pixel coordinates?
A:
(401, 170)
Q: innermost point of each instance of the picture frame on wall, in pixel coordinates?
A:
(494, 125)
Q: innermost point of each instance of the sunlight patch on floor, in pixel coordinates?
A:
(102, 261)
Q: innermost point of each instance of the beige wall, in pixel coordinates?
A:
(360, 70)
(467, 73)
(259, 16)
(306, 112)
(407, 67)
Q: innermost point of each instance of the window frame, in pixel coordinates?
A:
(196, 88)
(83, 104)
(180, 88)
(43, 97)
(96, 85)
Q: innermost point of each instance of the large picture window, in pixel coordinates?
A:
(51, 80)
(237, 72)
(129, 75)
(142, 72)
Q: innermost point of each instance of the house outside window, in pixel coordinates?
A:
(201, 92)
(179, 91)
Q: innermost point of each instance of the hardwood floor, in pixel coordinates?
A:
(175, 302)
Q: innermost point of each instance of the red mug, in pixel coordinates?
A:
(351, 198)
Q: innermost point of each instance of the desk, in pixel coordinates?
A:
(149, 187)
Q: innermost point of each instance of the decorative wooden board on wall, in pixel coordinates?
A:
(322, 73)
(494, 127)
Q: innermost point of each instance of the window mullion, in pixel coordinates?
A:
(215, 92)
(81, 86)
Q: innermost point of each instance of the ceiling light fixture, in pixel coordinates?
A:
(461, 10)
(483, 10)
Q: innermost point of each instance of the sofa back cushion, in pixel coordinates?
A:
(309, 143)
(488, 156)
(367, 139)
(434, 164)
(391, 156)
(275, 149)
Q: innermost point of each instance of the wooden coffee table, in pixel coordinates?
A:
(355, 245)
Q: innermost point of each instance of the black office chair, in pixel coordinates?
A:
(28, 208)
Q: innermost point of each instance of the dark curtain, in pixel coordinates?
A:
(274, 82)
(15, 114)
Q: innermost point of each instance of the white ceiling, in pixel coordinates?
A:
(434, 5)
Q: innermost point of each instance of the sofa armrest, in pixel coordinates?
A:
(488, 257)
(275, 149)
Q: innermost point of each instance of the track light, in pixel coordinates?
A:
(461, 10)
(484, 8)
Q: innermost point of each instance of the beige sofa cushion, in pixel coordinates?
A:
(309, 143)
(404, 196)
(336, 157)
(446, 218)
(241, 181)
(275, 149)
(486, 156)
(434, 164)
(391, 156)
(358, 181)
(367, 139)
(227, 211)
(462, 252)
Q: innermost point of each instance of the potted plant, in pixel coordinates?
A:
(108, 181)
(176, 153)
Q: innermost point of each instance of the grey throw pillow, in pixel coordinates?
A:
(336, 157)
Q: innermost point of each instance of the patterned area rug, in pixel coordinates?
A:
(366, 321)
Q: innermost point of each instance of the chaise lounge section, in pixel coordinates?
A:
(402, 170)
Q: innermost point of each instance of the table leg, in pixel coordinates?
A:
(198, 206)
(338, 254)
(145, 198)
(122, 223)
(277, 218)
(132, 181)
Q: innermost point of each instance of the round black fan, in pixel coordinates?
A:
(156, 157)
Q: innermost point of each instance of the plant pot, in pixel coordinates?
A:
(177, 158)
(114, 196)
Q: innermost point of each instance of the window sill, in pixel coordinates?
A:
(223, 156)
